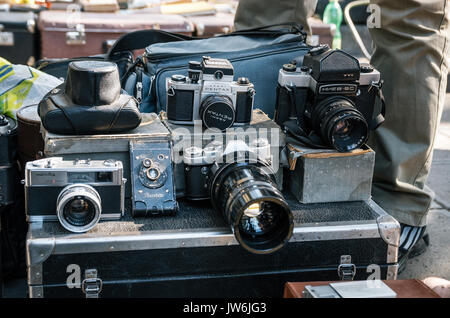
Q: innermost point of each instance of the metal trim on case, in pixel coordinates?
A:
(38, 250)
(392, 272)
(34, 275)
(36, 291)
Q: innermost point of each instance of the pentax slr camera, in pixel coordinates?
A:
(332, 97)
(77, 193)
(210, 94)
(241, 185)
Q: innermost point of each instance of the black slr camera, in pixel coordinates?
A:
(241, 184)
(332, 96)
(209, 94)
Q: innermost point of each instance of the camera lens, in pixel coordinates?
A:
(246, 195)
(217, 111)
(340, 124)
(78, 207)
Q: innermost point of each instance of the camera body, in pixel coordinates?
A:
(199, 162)
(77, 193)
(210, 94)
(329, 90)
(152, 177)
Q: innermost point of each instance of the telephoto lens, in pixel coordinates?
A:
(340, 124)
(78, 207)
(245, 192)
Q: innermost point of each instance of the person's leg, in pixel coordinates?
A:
(410, 51)
(257, 13)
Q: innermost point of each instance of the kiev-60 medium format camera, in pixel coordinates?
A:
(77, 193)
(209, 94)
(332, 95)
(241, 185)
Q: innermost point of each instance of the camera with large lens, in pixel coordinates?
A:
(210, 94)
(77, 193)
(241, 185)
(331, 95)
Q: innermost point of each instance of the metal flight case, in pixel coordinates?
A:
(195, 254)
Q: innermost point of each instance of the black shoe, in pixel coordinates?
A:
(414, 241)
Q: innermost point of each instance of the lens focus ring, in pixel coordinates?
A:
(78, 207)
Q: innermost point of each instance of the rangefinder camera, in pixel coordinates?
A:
(210, 94)
(77, 193)
(332, 95)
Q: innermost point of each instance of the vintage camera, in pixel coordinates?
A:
(332, 95)
(77, 193)
(8, 170)
(152, 177)
(209, 94)
(241, 185)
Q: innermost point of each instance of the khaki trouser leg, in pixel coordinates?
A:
(411, 49)
(256, 13)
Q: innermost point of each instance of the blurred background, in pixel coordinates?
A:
(35, 29)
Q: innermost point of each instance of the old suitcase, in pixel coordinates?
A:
(194, 254)
(18, 37)
(321, 33)
(210, 25)
(407, 288)
(64, 34)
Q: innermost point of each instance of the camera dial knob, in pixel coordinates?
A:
(195, 65)
(178, 78)
(147, 162)
(366, 68)
(289, 67)
(243, 81)
(109, 163)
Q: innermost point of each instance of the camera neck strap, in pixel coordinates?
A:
(379, 118)
(295, 128)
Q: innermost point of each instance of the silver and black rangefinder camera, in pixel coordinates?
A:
(332, 95)
(210, 94)
(77, 193)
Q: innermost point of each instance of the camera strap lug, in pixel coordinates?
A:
(346, 270)
(91, 285)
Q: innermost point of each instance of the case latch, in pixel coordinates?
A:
(91, 285)
(346, 270)
(77, 37)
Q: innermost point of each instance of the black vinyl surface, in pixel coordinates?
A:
(200, 215)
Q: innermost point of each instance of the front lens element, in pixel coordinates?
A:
(78, 207)
(255, 209)
(340, 124)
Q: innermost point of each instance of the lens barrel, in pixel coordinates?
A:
(340, 124)
(78, 207)
(247, 196)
